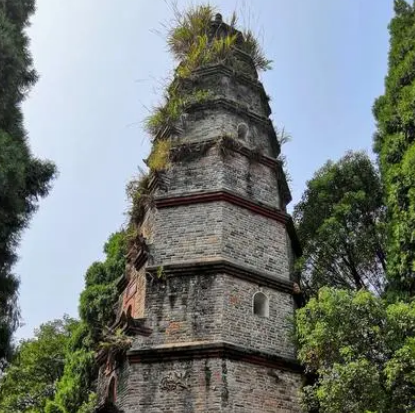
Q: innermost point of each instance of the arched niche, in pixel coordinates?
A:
(243, 132)
(112, 390)
(260, 305)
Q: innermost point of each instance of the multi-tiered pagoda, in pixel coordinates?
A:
(209, 292)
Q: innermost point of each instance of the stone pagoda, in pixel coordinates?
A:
(209, 292)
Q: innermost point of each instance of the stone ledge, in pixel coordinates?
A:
(234, 199)
(222, 103)
(234, 107)
(227, 71)
(238, 147)
(203, 350)
(225, 266)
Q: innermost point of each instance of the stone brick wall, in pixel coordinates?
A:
(134, 294)
(211, 172)
(147, 227)
(186, 233)
(183, 309)
(207, 351)
(214, 309)
(244, 328)
(184, 387)
(261, 389)
(203, 172)
(251, 179)
(244, 94)
(223, 85)
(213, 123)
(254, 240)
(130, 295)
(206, 231)
(108, 372)
(207, 385)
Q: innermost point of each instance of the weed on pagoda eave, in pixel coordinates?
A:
(115, 342)
(196, 39)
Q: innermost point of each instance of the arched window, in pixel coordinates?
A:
(243, 131)
(112, 391)
(130, 311)
(260, 305)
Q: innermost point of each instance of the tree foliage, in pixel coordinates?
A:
(395, 145)
(361, 350)
(359, 347)
(340, 224)
(75, 389)
(23, 178)
(38, 363)
(70, 387)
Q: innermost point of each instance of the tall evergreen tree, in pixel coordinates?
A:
(340, 224)
(395, 145)
(360, 347)
(23, 178)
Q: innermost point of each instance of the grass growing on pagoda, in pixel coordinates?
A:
(159, 156)
(169, 113)
(194, 46)
(138, 192)
(252, 47)
(188, 41)
(115, 342)
(202, 53)
(165, 115)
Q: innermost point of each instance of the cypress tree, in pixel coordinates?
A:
(395, 146)
(23, 177)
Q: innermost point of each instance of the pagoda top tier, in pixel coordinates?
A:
(202, 38)
(221, 29)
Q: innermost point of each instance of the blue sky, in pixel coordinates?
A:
(102, 66)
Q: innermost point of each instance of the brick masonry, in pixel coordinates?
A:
(220, 82)
(216, 121)
(236, 173)
(215, 309)
(206, 385)
(206, 231)
(207, 312)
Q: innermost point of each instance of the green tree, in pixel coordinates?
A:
(55, 371)
(361, 350)
(75, 389)
(38, 363)
(359, 347)
(340, 224)
(23, 178)
(395, 145)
